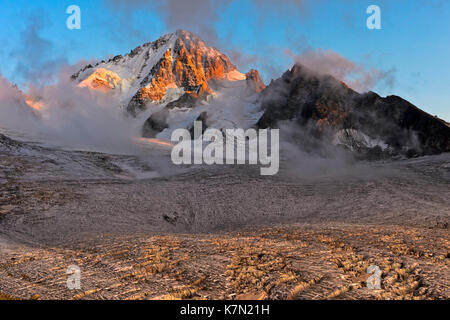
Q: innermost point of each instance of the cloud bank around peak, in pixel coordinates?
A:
(355, 75)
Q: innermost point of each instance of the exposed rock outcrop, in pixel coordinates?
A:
(323, 105)
(400, 123)
(180, 62)
(203, 118)
(254, 82)
(181, 71)
(155, 124)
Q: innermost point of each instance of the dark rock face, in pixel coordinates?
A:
(302, 96)
(185, 101)
(158, 122)
(321, 104)
(8, 145)
(400, 123)
(203, 117)
(189, 99)
(7, 142)
(136, 104)
(155, 124)
(75, 75)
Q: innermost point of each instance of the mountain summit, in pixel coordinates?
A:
(178, 79)
(177, 65)
(323, 105)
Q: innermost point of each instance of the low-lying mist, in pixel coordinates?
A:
(305, 156)
(77, 118)
(68, 116)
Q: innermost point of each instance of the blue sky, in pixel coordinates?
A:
(414, 42)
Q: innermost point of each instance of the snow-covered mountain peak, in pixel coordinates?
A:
(161, 71)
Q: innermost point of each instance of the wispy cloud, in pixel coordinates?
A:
(355, 75)
(36, 58)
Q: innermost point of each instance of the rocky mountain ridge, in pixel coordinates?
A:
(324, 105)
(177, 65)
(178, 79)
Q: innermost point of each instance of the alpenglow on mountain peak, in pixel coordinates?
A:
(175, 65)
